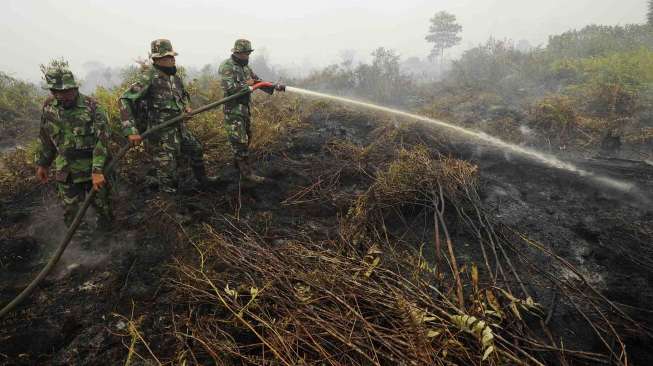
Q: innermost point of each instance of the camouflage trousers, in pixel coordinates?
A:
(237, 123)
(167, 148)
(74, 194)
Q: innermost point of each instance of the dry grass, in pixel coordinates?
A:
(415, 178)
(643, 136)
(17, 173)
(505, 128)
(555, 114)
(304, 303)
(366, 298)
(272, 119)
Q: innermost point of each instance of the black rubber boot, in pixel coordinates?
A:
(200, 175)
(84, 236)
(246, 171)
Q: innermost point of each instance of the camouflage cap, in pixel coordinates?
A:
(58, 76)
(242, 45)
(161, 48)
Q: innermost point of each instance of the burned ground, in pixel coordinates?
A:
(139, 294)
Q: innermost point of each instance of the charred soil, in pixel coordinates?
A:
(123, 299)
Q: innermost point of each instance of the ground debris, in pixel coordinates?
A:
(374, 245)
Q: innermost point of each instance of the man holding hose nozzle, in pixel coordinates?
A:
(235, 77)
(74, 134)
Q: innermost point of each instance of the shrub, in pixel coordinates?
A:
(555, 118)
(610, 85)
(17, 172)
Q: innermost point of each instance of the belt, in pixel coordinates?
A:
(78, 154)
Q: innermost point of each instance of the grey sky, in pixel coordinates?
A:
(298, 32)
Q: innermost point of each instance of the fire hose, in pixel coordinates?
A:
(107, 170)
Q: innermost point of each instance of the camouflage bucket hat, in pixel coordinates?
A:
(242, 45)
(161, 48)
(57, 76)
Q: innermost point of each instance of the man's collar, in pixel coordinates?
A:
(80, 100)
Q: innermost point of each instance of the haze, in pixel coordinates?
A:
(294, 34)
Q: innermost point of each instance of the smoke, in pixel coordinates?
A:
(97, 74)
(46, 222)
(527, 132)
(47, 227)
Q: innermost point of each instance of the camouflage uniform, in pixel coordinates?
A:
(164, 97)
(234, 74)
(75, 138)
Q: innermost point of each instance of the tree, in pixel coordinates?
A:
(382, 80)
(649, 15)
(443, 33)
(348, 58)
(386, 62)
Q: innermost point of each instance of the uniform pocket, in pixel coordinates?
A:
(84, 137)
(54, 131)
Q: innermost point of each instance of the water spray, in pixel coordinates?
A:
(546, 159)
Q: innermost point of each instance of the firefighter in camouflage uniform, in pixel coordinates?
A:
(74, 135)
(237, 76)
(159, 95)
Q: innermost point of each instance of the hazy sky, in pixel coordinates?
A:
(293, 32)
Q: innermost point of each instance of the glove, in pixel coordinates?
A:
(280, 87)
(98, 181)
(262, 84)
(135, 139)
(42, 174)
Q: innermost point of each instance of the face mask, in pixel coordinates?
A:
(239, 61)
(167, 70)
(67, 100)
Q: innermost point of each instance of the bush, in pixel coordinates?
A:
(20, 104)
(600, 41)
(581, 85)
(609, 85)
(17, 172)
(18, 99)
(555, 118)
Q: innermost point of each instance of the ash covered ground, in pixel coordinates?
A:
(85, 311)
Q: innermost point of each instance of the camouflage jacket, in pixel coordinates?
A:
(233, 79)
(75, 138)
(154, 97)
